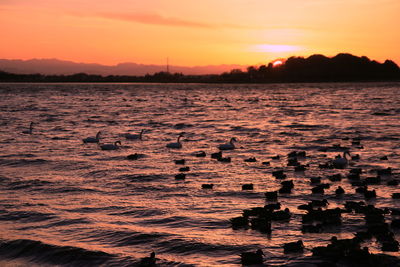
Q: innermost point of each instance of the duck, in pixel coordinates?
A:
(134, 136)
(293, 247)
(247, 186)
(339, 191)
(148, 261)
(180, 176)
(133, 156)
(251, 258)
(110, 146)
(180, 161)
(341, 162)
(177, 144)
(207, 186)
(216, 155)
(228, 146)
(200, 154)
(30, 129)
(92, 139)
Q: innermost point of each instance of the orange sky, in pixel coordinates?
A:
(192, 32)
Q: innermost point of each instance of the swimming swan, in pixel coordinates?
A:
(30, 129)
(341, 162)
(110, 146)
(228, 146)
(177, 144)
(134, 136)
(92, 139)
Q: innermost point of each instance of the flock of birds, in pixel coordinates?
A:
(318, 215)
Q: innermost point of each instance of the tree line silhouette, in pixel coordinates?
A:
(316, 68)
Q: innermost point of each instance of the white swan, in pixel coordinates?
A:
(228, 146)
(30, 129)
(134, 136)
(341, 162)
(177, 144)
(92, 139)
(110, 146)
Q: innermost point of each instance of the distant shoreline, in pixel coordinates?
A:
(314, 69)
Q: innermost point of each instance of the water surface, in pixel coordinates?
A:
(63, 202)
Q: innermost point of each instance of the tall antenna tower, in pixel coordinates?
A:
(167, 65)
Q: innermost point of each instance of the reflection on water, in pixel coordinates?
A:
(65, 202)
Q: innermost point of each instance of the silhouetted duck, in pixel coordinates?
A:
(319, 203)
(293, 247)
(396, 195)
(300, 168)
(216, 155)
(91, 139)
(361, 189)
(279, 174)
(228, 146)
(335, 177)
(273, 206)
(180, 161)
(176, 144)
(311, 228)
(226, 159)
(383, 158)
(148, 261)
(370, 194)
(247, 187)
(200, 154)
(373, 180)
(207, 186)
(395, 223)
(133, 156)
(292, 162)
(288, 183)
(317, 189)
(392, 246)
(339, 191)
(387, 171)
(239, 222)
(301, 154)
(261, 224)
(271, 195)
(315, 180)
(281, 215)
(275, 157)
(250, 160)
(184, 169)
(252, 258)
(180, 176)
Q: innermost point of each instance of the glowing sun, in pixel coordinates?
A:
(277, 63)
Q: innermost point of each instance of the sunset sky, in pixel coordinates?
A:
(207, 32)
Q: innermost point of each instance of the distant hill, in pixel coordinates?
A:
(59, 67)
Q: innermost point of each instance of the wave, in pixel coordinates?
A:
(40, 252)
(25, 216)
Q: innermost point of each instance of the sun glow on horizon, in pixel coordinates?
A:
(273, 48)
(277, 63)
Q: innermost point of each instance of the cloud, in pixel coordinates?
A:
(155, 19)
